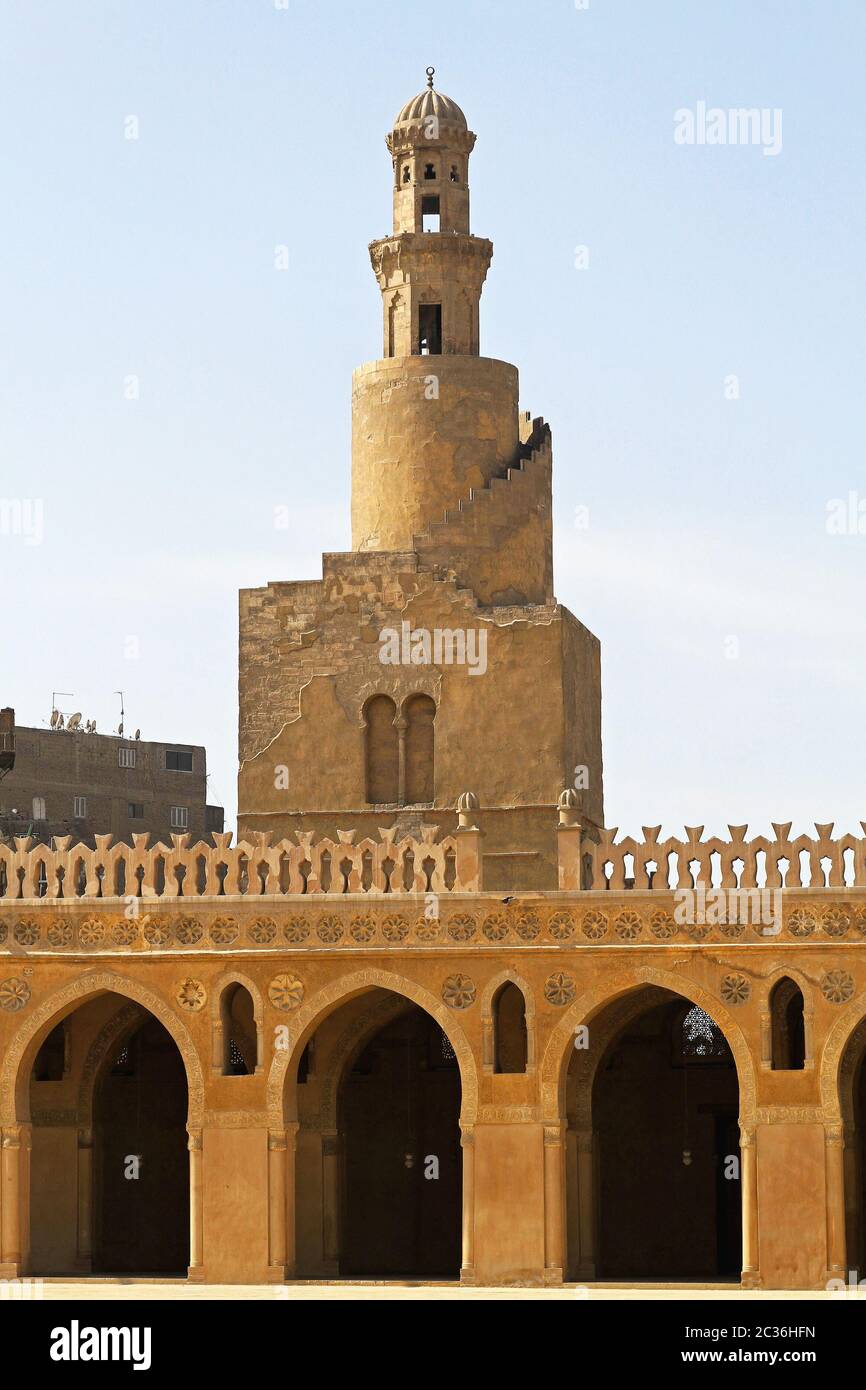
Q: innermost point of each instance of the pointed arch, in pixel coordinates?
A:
(217, 993)
(23, 1046)
(330, 997)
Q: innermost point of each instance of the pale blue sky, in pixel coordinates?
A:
(261, 126)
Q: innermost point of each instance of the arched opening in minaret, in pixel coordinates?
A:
(430, 221)
(430, 330)
(653, 1155)
(378, 1169)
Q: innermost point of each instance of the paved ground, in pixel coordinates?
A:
(119, 1289)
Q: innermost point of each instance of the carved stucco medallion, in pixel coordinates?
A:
(192, 995)
(286, 992)
(458, 991)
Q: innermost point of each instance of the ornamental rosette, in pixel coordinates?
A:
(286, 992)
(296, 930)
(458, 991)
(495, 926)
(561, 926)
(192, 995)
(187, 932)
(461, 927)
(60, 934)
(594, 925)
(157, 933)
(395, 928)
(91, 931)
(428, 928)
(662, 925)
(735, 989)
(801, 922)
(123, 933)
(224, 931)
(27, 932)
(628, 925)
(559, 990)
(14, 994)
(836, 920)
(263, 931)
(330, 930)
(837, 986)
(362, 929)
(527, 925)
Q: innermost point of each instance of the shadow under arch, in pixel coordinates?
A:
(282, 1099)
(24, 1045)
(557, 1054)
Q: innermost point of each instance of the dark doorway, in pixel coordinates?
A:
(399, 1114)
(664, 1107)
(141, 1161)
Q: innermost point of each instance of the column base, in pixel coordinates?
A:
(195, 1274)
(11, 1271)
(552, 1275)
(751, 1279)
(467, 1275)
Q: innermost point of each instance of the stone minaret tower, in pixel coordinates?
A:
(426, 431)
(451, 535)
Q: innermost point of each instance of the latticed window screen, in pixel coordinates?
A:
(700, 1038)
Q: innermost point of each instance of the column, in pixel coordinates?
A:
(289, 1194)
(553, 1195)
(13, 1155)
(195, 1204)
(749, 1187)
(277, 1203)
(84, 1247)
(467, 1266)
(834, 1149)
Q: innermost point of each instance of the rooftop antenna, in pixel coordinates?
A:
(120, 725)
(56, 716)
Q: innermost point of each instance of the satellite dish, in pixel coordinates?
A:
(74, 721)
(55, 716)
(59, 720)
(137, 734)
(120, 728)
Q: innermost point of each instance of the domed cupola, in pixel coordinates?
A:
(430, 147)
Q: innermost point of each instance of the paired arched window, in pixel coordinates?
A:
(239, 1032)
(787, 1026)
(509, 1029)
(399, 751)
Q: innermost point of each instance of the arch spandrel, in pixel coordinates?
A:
(23, 1046)
(554, 1065)
(837, 1065)
(340, 991)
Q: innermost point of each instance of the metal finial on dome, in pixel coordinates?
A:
(430, 72)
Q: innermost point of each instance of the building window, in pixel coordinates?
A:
(429, 171)
(176, 760)
(787, 1026)
(455, 177)
(420, 712)
(126, 757)
(407, 173)
(39, 808)
(135, 810)
(382, 750)
(509, 1030)
(79, 808)
(180, 818)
